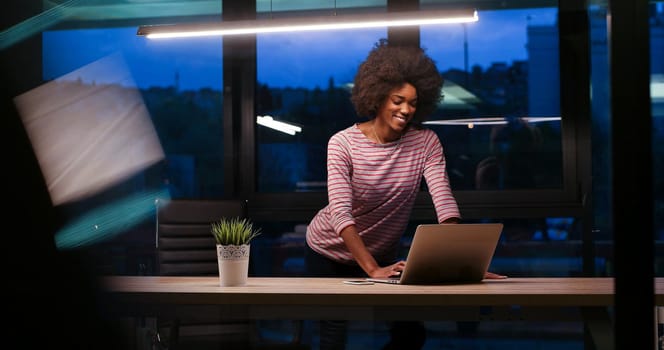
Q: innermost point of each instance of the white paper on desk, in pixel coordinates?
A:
(89, 129)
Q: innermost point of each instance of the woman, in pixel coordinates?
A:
(375, 169)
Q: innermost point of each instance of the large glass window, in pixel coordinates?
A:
(304, 79)
(499, 121)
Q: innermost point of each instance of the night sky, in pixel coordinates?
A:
(286, 60)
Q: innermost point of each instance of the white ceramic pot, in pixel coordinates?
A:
(233, 264)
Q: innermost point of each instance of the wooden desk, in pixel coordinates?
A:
(586, 299)
(289, 291)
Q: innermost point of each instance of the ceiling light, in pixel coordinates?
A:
(284, 127)
(298, 24)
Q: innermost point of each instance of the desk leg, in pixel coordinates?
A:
(598, 328)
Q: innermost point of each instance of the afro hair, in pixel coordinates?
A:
(389, 67)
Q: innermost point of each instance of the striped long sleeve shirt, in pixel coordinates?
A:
(374, 187)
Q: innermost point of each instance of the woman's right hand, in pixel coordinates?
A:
(388, 271)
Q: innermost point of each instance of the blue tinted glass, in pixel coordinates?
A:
(499, 120)
(503, 66)
(304, 79)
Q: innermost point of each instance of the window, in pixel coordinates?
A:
(499, 121)
(304, 79)
(299, 84)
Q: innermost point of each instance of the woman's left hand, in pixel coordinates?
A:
(494, 276)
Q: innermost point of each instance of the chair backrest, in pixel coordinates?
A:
(185, 245)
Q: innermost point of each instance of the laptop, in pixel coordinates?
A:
(448, 254)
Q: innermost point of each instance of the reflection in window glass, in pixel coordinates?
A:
(182, 93)
(304, 80)
(499, 120)
(519, 251)
(504, 67)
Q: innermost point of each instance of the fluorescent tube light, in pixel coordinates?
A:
(286, 128)
(336, 22)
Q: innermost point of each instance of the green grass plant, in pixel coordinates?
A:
(234, 231)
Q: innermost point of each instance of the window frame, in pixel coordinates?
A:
(239, 66)
(570, 200)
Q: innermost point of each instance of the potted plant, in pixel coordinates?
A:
(233, 237)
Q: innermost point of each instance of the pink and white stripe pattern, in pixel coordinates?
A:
(374, 187)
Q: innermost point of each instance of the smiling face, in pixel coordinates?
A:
(396, 111)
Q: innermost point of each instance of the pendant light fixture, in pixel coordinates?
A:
(304, 23)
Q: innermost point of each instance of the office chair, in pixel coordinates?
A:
(185, 247)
